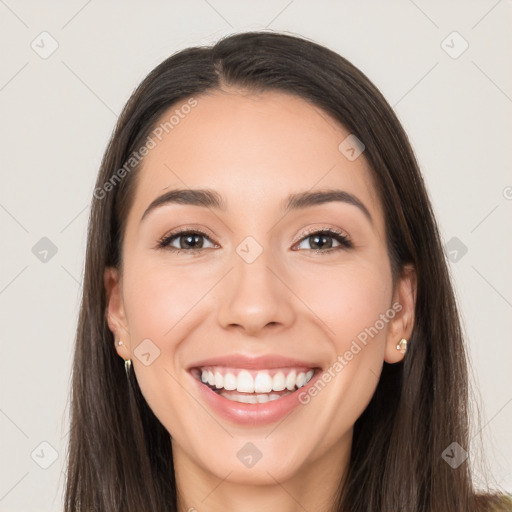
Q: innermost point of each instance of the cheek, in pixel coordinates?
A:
(349, 300)
(158, 297)
(353, 304)
(162, 304)
(165, 303)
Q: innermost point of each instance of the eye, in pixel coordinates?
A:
(324, 240)
(190, 241)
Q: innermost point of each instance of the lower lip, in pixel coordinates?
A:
(253, 414)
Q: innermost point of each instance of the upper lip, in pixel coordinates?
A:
(254, 362)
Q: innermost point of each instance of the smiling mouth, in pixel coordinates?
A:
(253, 386)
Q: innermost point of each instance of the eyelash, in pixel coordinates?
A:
(340, 237)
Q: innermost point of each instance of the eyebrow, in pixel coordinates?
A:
(208, 198)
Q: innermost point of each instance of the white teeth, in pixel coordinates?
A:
(245, 382)
(253, 399)
(263, 383)
(290, 381)
(279, 382)
(262, 399)
(245, 399)
(229, 382)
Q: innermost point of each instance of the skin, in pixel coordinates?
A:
(255, 150)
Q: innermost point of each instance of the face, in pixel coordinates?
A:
(257, 332)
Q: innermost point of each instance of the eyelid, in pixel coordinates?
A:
(320, 229)
(182, 230)
(187, 228)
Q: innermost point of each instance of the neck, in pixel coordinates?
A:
(312, 486)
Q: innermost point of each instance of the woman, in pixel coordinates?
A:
(267, 317)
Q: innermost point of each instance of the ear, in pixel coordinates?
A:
(115, 313)
(404, 303)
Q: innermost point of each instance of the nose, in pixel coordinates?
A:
(255, 297)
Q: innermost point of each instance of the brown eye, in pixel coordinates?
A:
(325, 240)
(186, 241)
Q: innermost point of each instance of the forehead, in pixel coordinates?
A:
(254, 149)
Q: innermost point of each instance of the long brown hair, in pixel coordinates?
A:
(120, 456)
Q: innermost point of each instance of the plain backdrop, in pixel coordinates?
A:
(67, 69)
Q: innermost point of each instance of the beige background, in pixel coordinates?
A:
(57, 113)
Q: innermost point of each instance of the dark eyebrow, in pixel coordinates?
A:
(195, 197)
(308, 199)
(210, 199)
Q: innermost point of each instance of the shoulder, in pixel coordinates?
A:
(494, 502)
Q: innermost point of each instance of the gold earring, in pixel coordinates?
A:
(127, 362)
(402, 346)
(127, 366)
